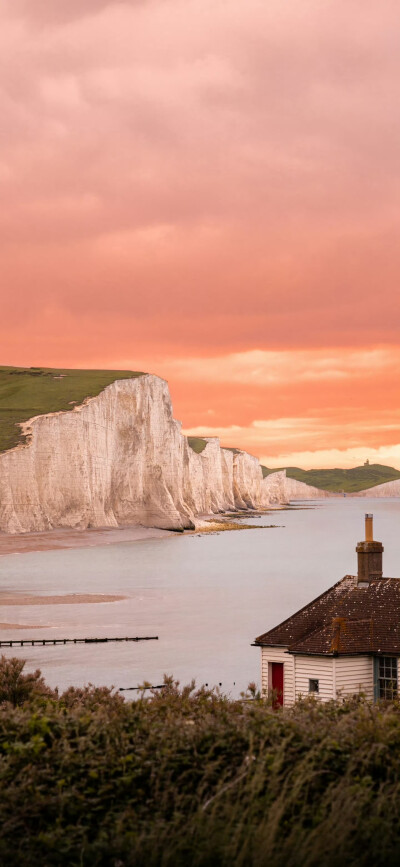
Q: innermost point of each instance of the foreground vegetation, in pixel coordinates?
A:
(186, 777)
(29, 391)
(349, 481)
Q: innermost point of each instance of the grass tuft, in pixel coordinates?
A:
(198, 444)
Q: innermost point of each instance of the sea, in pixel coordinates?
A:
(205, 596)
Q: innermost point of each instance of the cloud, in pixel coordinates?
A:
(230, 175)
(308, 441)
(208, 190)
(58, 13)
(265, 367)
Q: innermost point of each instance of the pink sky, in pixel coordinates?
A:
(209, 190)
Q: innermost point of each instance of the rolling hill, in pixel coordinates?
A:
(350, 481)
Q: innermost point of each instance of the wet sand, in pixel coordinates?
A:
(50, 540)
(65, 599)
(22, 626)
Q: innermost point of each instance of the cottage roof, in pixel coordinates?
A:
(348, 618)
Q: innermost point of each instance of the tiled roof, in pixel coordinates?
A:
(347, 618)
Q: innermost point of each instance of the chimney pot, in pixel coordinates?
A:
(369, 528)
(369, 554)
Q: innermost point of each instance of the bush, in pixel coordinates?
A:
(16, 687)
(187, 777)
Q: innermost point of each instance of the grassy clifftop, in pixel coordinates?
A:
(198, 444)
(350, 481)
(29, 391)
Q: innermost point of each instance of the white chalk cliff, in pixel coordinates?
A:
(120, 459)
(387, 489)
(294, 490)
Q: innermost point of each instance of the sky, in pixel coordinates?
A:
(209, 190)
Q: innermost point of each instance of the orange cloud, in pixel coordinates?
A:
(207, 190)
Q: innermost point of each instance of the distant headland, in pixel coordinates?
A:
(342, 481)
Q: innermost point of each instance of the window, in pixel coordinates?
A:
(387, 677)
(313, 685)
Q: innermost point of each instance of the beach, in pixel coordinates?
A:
(64, 599)
(52, 540)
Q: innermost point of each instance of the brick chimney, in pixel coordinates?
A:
(369, 554)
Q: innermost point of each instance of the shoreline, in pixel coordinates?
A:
(58, 539)
(93, 537)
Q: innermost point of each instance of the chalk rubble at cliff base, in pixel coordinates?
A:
(120, 459)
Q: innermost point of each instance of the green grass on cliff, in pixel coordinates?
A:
(30, 391)
(350, 481)
(198, 444)
(186, 777)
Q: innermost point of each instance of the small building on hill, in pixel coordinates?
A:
(345, 642)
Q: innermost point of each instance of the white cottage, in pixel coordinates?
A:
(345, 642)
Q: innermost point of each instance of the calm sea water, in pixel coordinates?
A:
(206, 597)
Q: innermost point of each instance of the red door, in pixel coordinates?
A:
(277, 680)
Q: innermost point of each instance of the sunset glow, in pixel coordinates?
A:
(209, 191)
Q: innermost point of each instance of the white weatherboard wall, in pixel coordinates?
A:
(338, 677)
(278, 654)
(314, 668)
(354, 674)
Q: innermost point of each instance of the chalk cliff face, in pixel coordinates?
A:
(294, 490)
(388, 489)
(120, 459)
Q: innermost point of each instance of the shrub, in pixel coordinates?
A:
(16, 687)
(187, 777)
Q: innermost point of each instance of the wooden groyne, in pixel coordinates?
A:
(42, 642)
(142, 688)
